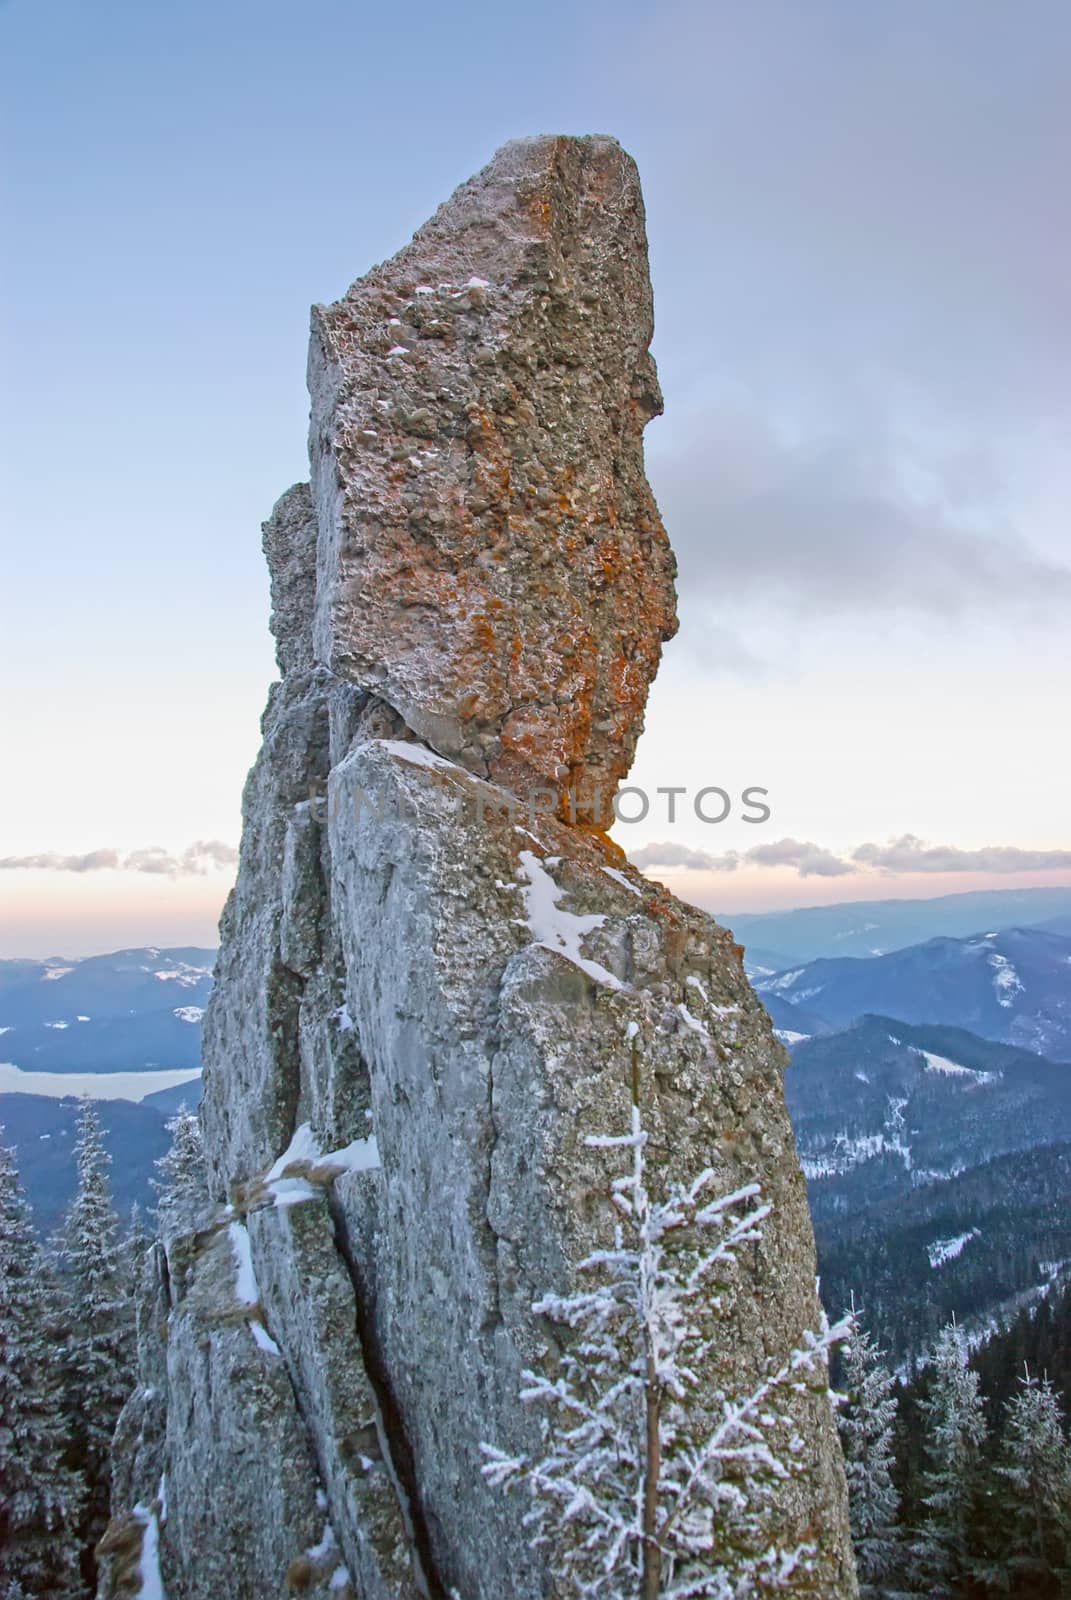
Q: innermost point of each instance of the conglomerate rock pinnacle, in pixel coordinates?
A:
(431, 990)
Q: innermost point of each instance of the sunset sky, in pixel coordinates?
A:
(859, 240)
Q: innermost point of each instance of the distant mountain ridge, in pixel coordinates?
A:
(1013, 986)
(64, 1024)
(98, 987)
(884, 1106)
(876, 927)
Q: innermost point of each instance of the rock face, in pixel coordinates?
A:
(491, 558)
(424, 993)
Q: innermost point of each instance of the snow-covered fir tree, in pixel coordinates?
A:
(1035, 1490)
(134, 1248)
(183, 1179)
(99, 1312)
(40, 1498)
(641, 1490)
(867, 1427)
(138, 1238)
(954, 1437)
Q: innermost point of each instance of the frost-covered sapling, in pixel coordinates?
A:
(651, 1483)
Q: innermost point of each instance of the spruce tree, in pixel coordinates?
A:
(867, 1425)
(183, 1180)
(39, 1496)
(955, 1434)
(133, 1249)
(99, 1355)
(1035, 1469)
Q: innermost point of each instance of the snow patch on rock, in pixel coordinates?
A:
(555, 929)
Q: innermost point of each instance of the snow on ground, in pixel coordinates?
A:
(186, 976)
(362, 1155)
(327, 1546)
(979, 1330)
(302, 1147)
(418, 755)
(245, 1279)
(189, 1013)
(846, 1153)
(619, 877)
(691, 1022)
(953, 1069)
(264, 1338)
(246, 1288)
(57, 1024)
(98, 1085)
(942, 1250)
(317, 1552)
(785, 981)
(555, 929)
(1006, 981)
(56, 972)
(789, 1036)
(923, 1175)
(291, 1192)
(151, 1585)
(848, 1150)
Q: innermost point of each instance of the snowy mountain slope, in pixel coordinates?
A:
(912, 1138)
(978, 1246)
(98, 987)
(885, 1107)
(1013, 986)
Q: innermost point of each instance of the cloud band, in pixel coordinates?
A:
(207, 855)
(907, 854)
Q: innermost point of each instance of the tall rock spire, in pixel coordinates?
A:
(434, 984)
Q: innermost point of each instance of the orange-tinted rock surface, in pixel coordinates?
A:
(491, 558)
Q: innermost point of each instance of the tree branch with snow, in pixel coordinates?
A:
(649, 1483)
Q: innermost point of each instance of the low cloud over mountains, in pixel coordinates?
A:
(905, 854)
(207, 855)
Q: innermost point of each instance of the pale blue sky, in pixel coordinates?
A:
(859, 243)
